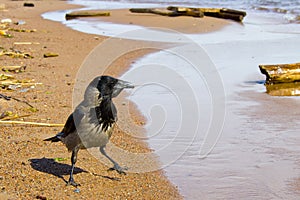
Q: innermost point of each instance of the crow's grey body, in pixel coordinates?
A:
(92, 122)
(89, 132)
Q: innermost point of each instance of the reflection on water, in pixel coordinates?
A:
(284, 89)
(257, 153)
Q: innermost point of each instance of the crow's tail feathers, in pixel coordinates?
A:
(56, 138)
(53, 139)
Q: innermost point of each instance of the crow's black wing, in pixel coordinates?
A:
(73, 120)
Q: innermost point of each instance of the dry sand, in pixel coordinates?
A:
(27, 169)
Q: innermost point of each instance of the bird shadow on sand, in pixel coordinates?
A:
(50, 166)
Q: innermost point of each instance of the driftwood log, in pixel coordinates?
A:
(171, 13)
(281, 73)
(224, 13)
(86, 13)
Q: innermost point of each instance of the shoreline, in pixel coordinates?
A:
(19, 177)
(28, 170)
(62, 71)
(181, 24)
(232, 186)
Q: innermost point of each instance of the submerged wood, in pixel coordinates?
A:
(171, 13)
(86, 13)
(281, 73)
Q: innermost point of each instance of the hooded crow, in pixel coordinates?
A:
(92, 122)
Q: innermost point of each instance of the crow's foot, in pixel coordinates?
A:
(73, 183)
(120, 170)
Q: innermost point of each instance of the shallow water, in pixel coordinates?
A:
(216, 131)
(252, 158)
(287, 10)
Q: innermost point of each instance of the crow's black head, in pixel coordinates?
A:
(111, 87)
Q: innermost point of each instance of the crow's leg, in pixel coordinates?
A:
(73, 160)
(116, 166)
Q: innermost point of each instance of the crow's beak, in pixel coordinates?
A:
(123, 84)
(120, 86)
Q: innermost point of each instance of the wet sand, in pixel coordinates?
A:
(183, 24)
(27, 167)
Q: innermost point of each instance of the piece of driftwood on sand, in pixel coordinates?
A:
(86, 13)
(171, 13)
(224, 13)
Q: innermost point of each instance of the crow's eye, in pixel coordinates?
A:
(111, 85)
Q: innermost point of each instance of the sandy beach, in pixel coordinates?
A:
(28, 169)
(256, 156)
(183, 24)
